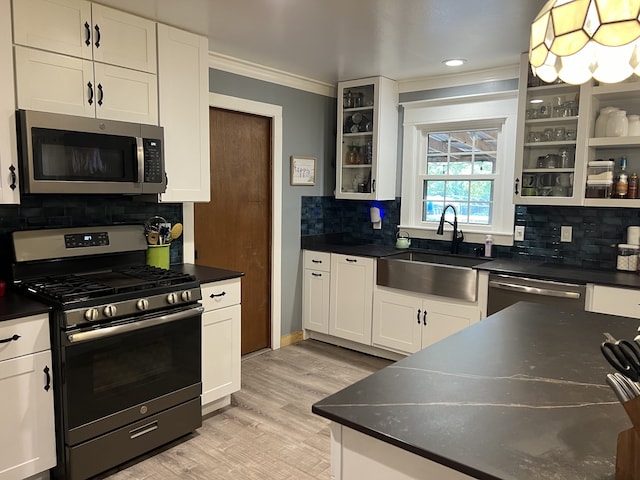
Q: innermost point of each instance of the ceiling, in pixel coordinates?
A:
(332, 40)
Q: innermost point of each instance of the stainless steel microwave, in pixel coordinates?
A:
(69, 154)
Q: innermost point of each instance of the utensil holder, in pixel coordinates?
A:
(158, 255)
(628, 448)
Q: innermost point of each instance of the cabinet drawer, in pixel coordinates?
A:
(616, 301)
(31, 335)
(221, 294)
(317, 260)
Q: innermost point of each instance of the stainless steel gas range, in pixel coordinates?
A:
(126, 341)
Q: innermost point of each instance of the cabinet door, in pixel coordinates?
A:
(61, 26)
(123, 39)
(27, 446)
(220, 353)
(182, 61)
(351, 301)
(549, 162)
(127, 95)
(397, 321)
(315, 300)
(49, 82)
(615, 301)
(9, 185)
(444, 319)
(367, 139)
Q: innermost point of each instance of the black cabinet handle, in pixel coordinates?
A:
(424, 317)
(101, 92)
(14, 179)
(419, 316)
(373, 185)
(48, 384)
(214, 295)
(316, 274)
(90, 85)
(87, 27)
(10, 339)
(517, 184)
(97, 36)
(351, 260)
(316, 261)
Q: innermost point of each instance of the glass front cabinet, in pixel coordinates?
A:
(367, 139)
(549, 166)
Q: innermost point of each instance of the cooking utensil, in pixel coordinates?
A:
(176, 231)
(622, 393)
(624, 357)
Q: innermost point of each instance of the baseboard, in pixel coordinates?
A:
(291, 338)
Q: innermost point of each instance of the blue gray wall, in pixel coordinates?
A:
(309, 130)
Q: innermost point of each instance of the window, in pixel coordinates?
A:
(461, 166)
(459, 152)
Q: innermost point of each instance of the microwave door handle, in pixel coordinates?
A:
(140, 155)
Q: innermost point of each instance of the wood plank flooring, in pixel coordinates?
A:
(268, 432)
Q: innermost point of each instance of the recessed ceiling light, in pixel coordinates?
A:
(454, 62)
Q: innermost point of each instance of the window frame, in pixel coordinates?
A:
(484, 111)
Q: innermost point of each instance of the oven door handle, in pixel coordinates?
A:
(130, 327)
(533, 290)
(140, 158)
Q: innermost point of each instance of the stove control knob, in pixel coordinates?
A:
(172, 298)
(142, 304)
(109, 311)
(92, 314)
(186, 296)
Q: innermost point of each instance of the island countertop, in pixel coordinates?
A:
(520, 395)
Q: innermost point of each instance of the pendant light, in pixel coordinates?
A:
(576, 40)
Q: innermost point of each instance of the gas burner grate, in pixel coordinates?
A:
(66, 288)
(157, 276)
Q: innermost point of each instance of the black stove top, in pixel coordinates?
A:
(64, 289)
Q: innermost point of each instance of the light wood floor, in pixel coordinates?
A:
(268, 432)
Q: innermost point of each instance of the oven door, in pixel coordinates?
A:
(125, 372)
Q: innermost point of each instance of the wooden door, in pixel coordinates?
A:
(233, 230)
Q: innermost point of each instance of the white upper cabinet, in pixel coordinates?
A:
(183, 82)
(9, 190)
(366, 156)
(78, 58)
(79, 28)
(549, 165)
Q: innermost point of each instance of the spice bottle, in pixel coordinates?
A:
(633, 186)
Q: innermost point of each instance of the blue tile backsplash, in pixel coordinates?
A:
(596, 231)
(57, 211)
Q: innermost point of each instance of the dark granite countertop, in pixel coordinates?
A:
(541, 270)
(207, 274)
(520, 395)
(15, 305)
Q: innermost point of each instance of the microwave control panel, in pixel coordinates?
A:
(153, 170)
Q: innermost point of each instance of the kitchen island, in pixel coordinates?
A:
(520, 395)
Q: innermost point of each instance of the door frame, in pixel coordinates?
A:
(275, 113)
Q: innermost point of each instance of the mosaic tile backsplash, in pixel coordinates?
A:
(596, 231)
(61, 211)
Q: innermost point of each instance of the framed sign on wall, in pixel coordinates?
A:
(303, 170)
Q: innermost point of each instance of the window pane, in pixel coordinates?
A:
(438, 143)
(482, 190)
(462, 141)
(487, 140)
(460, 165)
(484, 164)
(434, 190)
(457, 191)
(480, 213)
(437, 165)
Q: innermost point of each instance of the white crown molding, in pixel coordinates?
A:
(459, 79)
(268, 74)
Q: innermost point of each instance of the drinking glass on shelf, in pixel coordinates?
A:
(559, 133)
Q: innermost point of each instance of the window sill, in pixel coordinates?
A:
(470, 236)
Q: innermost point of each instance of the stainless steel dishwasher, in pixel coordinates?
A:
(505, 290)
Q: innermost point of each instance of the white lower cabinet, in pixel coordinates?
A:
(316, 291)
(407, 323)
(351, 297)
(220, 340)
(613, 300)
(28, 445)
